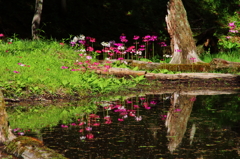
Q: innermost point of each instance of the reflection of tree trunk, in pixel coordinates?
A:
(5, 131)
(24, 146)
(37, 19)
(177, 118)
(182, 43)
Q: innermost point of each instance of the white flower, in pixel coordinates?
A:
(120, 47)
(81, 37)
(75, 39)
(138, 52)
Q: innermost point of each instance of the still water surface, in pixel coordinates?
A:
(172, 125)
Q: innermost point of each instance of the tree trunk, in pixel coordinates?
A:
(182, 43)
(37, 19)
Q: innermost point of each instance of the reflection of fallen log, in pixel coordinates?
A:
(26, 147)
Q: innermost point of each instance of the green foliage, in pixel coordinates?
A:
(38, 117)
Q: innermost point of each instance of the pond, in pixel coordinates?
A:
(170, 124)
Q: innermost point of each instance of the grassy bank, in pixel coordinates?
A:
(58, 69)
(30, 68)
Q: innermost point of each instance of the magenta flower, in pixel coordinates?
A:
(92, 40)
(142, 98)
(90, 48)
(162, 44)
(135, 37)
(16, 72)
(88, 57)
(64, 67)
(21, 133)
(1, 35)
(73, 124)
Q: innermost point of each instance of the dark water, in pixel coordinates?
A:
(153, 126)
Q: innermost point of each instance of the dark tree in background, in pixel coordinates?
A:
(37, 19)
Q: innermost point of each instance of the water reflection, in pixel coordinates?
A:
(161, 125)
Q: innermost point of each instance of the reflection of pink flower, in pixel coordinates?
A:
(64, 126)
(163, 117)
(81, 123)
(128, 101)
(142, 98)
(177, 110)
(90, 136)
(153, 102)
(147, 107)
(193, 99)
(132, 114)
(96, 124)
(108, 122)
(135, 106)
(120, 119)
(138, 118)
(81, 130)
(88, 128)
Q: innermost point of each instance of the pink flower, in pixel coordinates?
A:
(135, 37)
(90, 48)
(142, 98)
(73, 124)
(89, 57)
(61, 44)
(1, 35)
(81, 130)
(98, 51)
(92, 40)
(16, 72)
(64, 67)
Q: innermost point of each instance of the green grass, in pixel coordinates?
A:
(233, 56)
(42, 72)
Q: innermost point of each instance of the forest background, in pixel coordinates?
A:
(107, 20)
